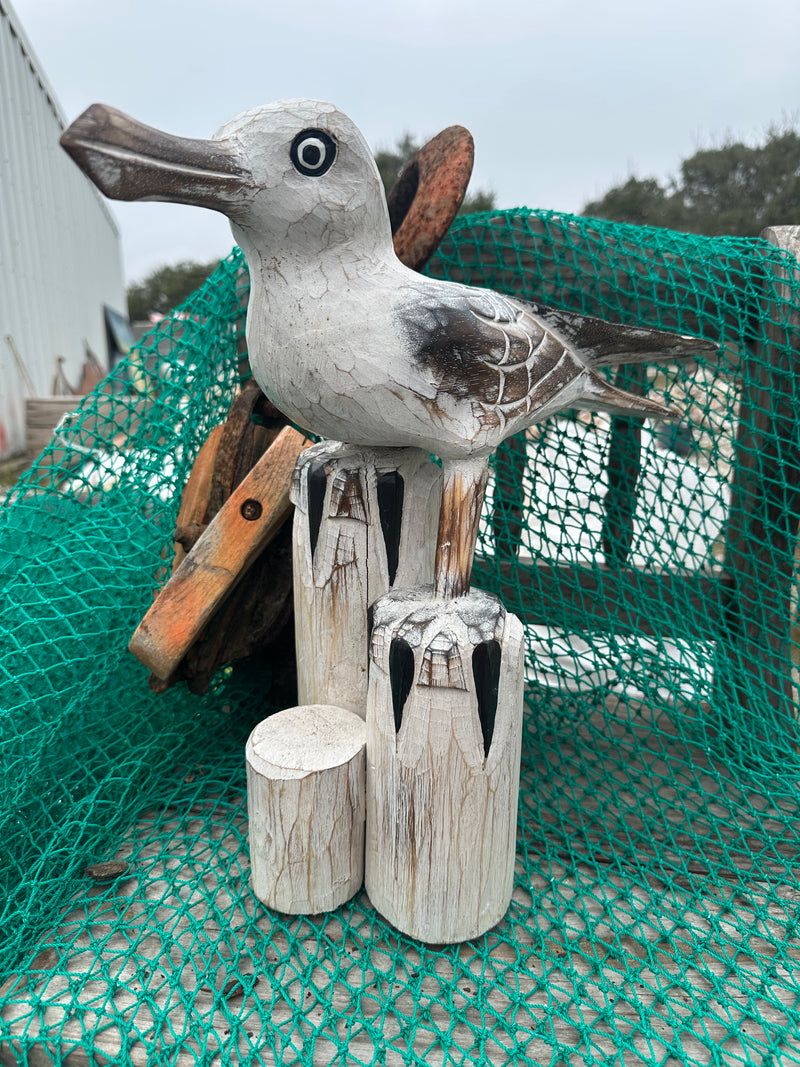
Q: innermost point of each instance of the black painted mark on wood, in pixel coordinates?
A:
(486, 672)
(391, 492)
(401, 676)
(317, 484)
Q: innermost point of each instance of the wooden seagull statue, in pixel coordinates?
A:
(344, 339)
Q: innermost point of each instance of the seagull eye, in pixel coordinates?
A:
(313, 152)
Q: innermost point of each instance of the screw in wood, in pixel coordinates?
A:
(251, 510)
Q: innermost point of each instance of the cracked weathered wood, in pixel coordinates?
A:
(345, 339)
(459, 518)
(193, 513)
(305, 806)
(250, 517)
(365, 519)
(444, 722)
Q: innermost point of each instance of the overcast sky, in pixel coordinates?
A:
(563, 99)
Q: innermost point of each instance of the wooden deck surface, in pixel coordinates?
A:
(677, 960)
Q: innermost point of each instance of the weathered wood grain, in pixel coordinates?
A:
(443, 752)
(459, 516)
(351, 542)
(305, 805)
(252, 514)
(193, 512)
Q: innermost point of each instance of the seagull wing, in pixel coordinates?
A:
(481, 346)
(603, 344)
(514, 358)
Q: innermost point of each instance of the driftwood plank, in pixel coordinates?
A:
(252, 514)
(194, 502)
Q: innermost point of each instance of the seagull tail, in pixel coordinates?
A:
(600, 395)
(604, 344)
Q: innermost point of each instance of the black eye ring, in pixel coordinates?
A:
(313, 152)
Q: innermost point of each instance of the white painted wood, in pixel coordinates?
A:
(348, 569)
(345, 339)
(305, 804)
(441, 813)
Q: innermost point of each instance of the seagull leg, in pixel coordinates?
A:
(463, 488)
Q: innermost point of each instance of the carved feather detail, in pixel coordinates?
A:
(513, 360)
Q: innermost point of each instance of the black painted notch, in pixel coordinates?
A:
(486, 672)
(317, 484)
(391, 492)
(401, 676)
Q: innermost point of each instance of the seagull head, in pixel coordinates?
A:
(294, 177)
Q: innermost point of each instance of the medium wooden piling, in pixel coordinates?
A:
(365, 519)
(444, 726)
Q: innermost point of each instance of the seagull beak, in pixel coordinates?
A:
(130, 161)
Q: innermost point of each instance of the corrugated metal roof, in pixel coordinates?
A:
(36, 69)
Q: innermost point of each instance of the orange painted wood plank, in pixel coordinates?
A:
(244, 525)
(195, 496)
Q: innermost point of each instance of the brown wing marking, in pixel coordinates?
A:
(479, 346)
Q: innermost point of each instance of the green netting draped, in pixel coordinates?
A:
(656, 909)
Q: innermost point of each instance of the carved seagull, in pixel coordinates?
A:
(344, 339)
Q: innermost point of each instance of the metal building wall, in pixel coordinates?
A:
(60, 255)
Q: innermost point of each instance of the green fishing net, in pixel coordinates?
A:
(656, 905)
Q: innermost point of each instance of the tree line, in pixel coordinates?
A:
(736, 189)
